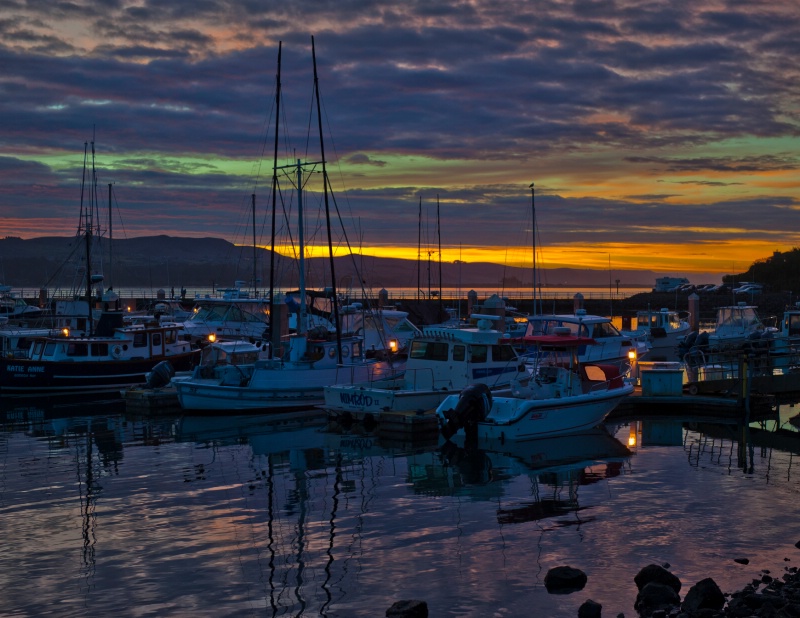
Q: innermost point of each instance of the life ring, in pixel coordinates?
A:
(116, 351)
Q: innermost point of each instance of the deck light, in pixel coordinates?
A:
(632, 354)
(65, 331)
(212, 337)
(393, 345)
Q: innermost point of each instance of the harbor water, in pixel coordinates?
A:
(105, 513)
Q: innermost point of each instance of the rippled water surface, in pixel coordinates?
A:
(108, 514)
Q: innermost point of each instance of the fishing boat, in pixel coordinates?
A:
(565, 395)
(440, 362)
(105, 356)
(111, 358)
(663, 330)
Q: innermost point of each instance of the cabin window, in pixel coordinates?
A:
(156, 340)
(602, 330)
(99, 349)
(78, 349)
(140, 340)
(459, 352)
(478, 353)
(244, 358)
(170, 336)
(37, 347)
(429, 350)
(503, 353)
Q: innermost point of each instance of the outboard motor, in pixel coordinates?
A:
(687, 343)
(160, 375)
(474, 405)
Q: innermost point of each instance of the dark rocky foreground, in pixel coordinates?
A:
(767, 596)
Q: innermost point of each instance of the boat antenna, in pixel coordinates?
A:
(272, 326)
(327, 208)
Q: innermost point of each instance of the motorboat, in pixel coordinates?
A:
(385, 330)
(610, 345)
(441, 362)
(735, 326)
(663, 330)
(109, 359)
(565, 395)
(233, 315)
(14, 307)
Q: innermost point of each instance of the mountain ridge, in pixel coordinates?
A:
(209, 262)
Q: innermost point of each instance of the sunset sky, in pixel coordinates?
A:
(658, 135)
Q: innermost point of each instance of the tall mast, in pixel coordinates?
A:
(439, 232)
(327, 208)
(533, 236)
(419, 247)
(302, 321)
(255, 254)
(272, 324)
(110, 240)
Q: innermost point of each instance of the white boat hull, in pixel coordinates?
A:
(513, 418)
(279, 389)
(366, 400)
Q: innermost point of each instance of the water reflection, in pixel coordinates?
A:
(273, 514)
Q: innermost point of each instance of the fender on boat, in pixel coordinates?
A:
(474, 405)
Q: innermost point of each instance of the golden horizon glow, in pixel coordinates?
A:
(725, 257)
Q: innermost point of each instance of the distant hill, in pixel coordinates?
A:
(160, 261)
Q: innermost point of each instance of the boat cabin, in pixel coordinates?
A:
(134, 343)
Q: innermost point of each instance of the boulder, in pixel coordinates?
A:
(590, 609)
(654, 573)
(564, 580)
(705, 594)
(655, 597)
(408, 609)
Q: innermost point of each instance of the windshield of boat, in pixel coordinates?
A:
(601, 330)
(224, 313)
(597, 330)
(737, 317)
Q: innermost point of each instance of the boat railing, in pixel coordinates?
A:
(704, 364)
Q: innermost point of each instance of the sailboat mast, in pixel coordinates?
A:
(327, 208)
(533, 236)
(110, 240)
(419, 248)
(439, 233)
(88, 240)
(255, 254)
(272, 325)
(302, 319)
